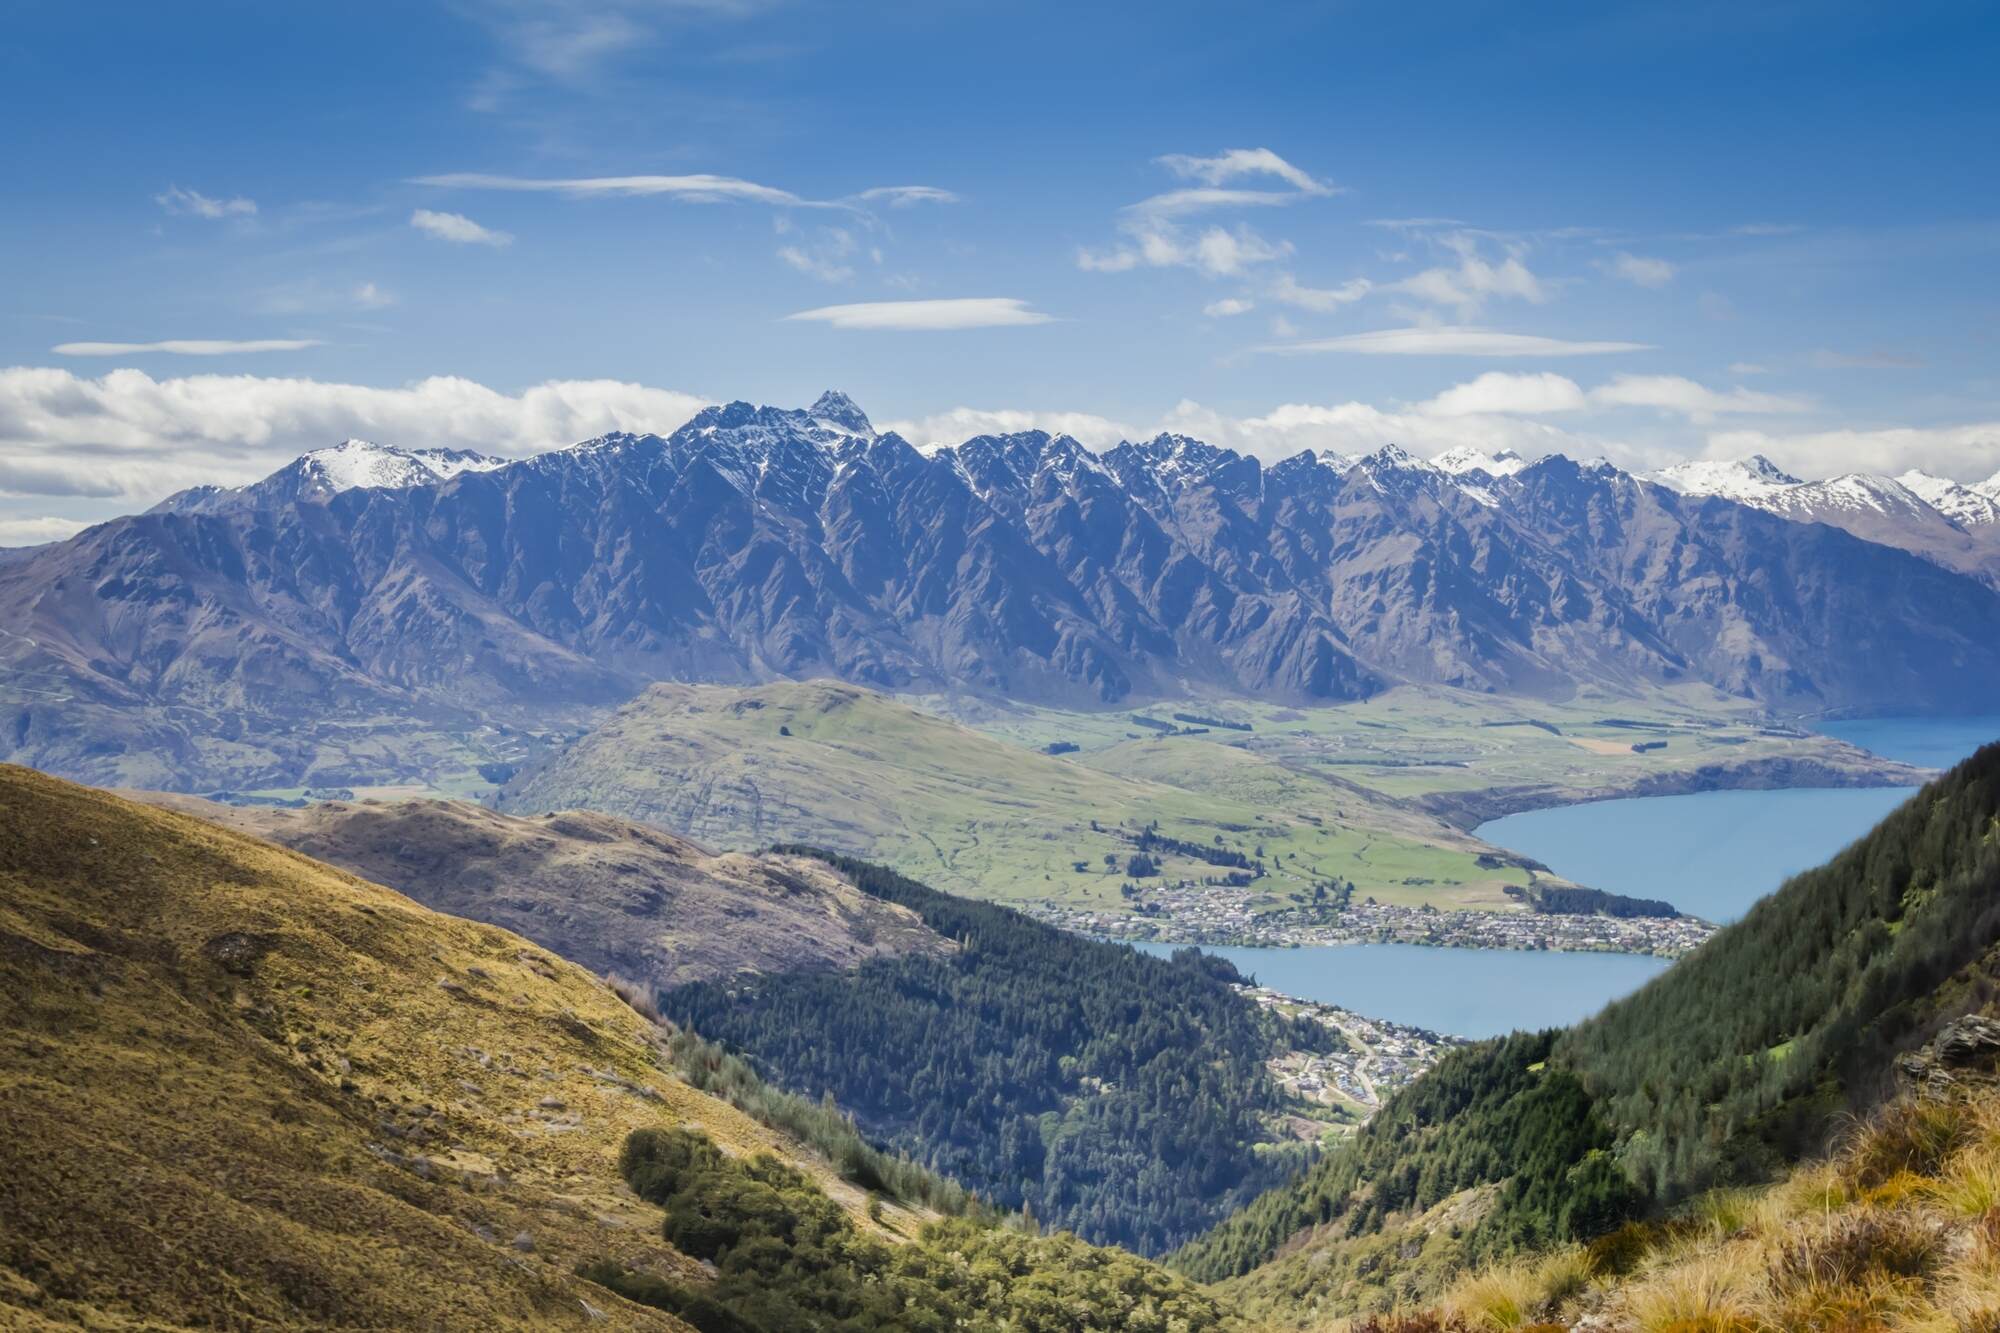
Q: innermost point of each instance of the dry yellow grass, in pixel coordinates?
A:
(242, 1089)
(1899, 1231)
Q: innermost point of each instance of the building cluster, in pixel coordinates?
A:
(1373, 1058)
(1215, 914)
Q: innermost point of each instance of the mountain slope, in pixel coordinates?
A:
(1736, 1060)
(245, 1089)
(241, 1087)
(756, 542)
(1118, 1095)
(621, 899)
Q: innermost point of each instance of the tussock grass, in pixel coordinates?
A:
(1898, 1230)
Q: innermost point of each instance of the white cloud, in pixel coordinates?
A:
(369, 296)
(129, 436)
(1227, 306)
(1178, 203)
(1473, 280)
(824, 255)
(1748, 368)
(1239, 162)
(1697, 402)
(972, 312)
(458, 229)
(1498, 391)
(903, 196)
(1968, 453)
(695, 189)
(1451, 341)
(35, 531)
(826, 270)
(1218, 252)
(1640, 271)
(1288, 291)
(700, 188)
(192, 203)
(962, 423)
(189, 346)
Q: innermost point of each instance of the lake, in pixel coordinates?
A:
(1712, 853)
(1715, 853)
(1465, 992)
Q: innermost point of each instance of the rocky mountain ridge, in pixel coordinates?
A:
(756, 542)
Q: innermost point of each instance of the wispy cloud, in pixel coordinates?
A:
(1473, 280)
(1217, 251)
(700, 188)
(824, 255)
(1640, 270)
(1450, 340)
(904, 196)
(697, 188)
(188, 346)
(1689, 398)
(1235, 163)
(1287, 290)
(458, 229)
(1154, 239)
(969, 312)
(1227, 306)
(192, 203)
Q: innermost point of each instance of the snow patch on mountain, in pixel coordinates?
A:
(364, 465)
(1463, 458)
(1750, 480)
(1967, 506)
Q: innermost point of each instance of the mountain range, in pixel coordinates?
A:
(194, 644)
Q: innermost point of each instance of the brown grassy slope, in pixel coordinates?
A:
(618, 897)
(242, 1089)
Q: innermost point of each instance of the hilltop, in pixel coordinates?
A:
(622, 899)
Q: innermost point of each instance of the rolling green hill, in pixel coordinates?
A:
(1740, 1059)
(842, 767)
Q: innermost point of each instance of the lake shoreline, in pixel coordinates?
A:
(1468, 810)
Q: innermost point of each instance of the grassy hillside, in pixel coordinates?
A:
(1429, 750)
(244, 1089)
(1120, 1095)
(623, 899)
(843, 767)
(1739, 1059)
(1897, 1230)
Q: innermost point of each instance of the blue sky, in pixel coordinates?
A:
(1649, 231)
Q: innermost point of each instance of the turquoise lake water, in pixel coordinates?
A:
(1465, 992)
(1712, 854)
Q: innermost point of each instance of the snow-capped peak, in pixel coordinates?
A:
(1396, 457)
(1968, 506)
(1463, 458)
(1748, 479)
(365, 465)
(1991, 486)
(837, 412)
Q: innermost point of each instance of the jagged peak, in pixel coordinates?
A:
(837, 411)
(1394, 456)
